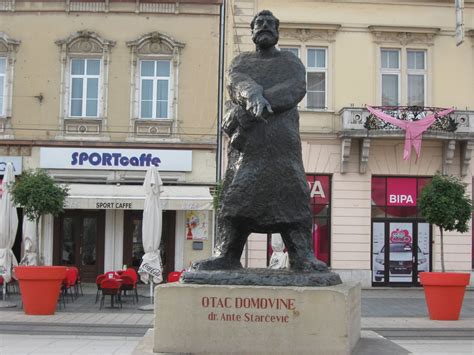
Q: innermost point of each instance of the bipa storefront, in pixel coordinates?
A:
(401, 238)
(101, 227)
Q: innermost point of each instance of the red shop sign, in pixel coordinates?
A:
(319, 188)
(401, 191)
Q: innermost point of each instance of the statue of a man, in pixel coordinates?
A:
(265, 188)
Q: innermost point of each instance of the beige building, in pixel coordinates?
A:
(96, 92)
(388, 54)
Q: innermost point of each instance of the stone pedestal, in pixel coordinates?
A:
(256, 319)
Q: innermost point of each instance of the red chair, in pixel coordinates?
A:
(110, 287)
(78, 284)
(68, 283)
(131, 273)
(129, 285)
(174, 276)
(98, 281)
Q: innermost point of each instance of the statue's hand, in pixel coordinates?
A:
(256, 105)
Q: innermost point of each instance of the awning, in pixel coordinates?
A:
(132, 197)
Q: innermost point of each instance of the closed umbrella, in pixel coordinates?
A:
(30, 256)
(8, 227)
(151, 268)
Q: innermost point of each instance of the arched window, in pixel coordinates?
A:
(155, 63)
(8, 48)
(84, 61)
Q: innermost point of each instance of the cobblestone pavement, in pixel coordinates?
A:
(394, 321)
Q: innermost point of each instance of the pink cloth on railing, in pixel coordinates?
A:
(413, 129)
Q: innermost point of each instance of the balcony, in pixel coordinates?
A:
(359, 125)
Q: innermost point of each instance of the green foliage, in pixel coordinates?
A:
(38, 194)
(444, 202)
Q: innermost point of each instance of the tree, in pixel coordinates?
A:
(38, 194)
(444, 203)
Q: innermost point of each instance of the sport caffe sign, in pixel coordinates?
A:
(115, 159)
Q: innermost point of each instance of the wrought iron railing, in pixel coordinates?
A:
(444, 123)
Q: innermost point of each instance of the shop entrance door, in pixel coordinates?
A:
(400, 250)
(133, 244)
(79, 241)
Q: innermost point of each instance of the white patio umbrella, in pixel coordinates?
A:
(151, 230)
(279, 258)
(30, 256)
(8, 227)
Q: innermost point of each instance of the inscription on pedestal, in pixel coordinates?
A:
(249, 309)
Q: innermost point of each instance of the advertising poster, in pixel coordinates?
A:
(424, 261)
(401, 252)
(378, 258)
(197, 225)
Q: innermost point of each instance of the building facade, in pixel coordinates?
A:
(400, 57)
(96, 93)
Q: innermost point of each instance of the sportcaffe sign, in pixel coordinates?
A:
(115, 159)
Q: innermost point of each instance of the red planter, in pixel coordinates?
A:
(444, 292)
(40, 287)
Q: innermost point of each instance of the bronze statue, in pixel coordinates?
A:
(265, 188)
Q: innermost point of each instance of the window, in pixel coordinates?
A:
(85, 77)
(316, 71)
(390, 69)
(407, 67)
(3, 66)
(84, 87)
(155, 88)
(416, 71)
(8, 49)
(315, 61)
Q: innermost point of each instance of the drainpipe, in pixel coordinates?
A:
(220, 92)
(220, 103)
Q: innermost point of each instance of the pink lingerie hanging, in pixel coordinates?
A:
(413, 129)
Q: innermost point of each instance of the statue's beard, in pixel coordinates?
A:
(265, 39)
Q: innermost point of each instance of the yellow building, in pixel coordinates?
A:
(96, 92)
(388, 54)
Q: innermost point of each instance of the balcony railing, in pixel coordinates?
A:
(454, 129)
(358, 118)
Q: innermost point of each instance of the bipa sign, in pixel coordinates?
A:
(401, 192)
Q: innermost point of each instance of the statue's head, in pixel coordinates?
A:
(265, 29)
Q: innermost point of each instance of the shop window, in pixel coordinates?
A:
(394, 197)
(154, 86)
(320, 187)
